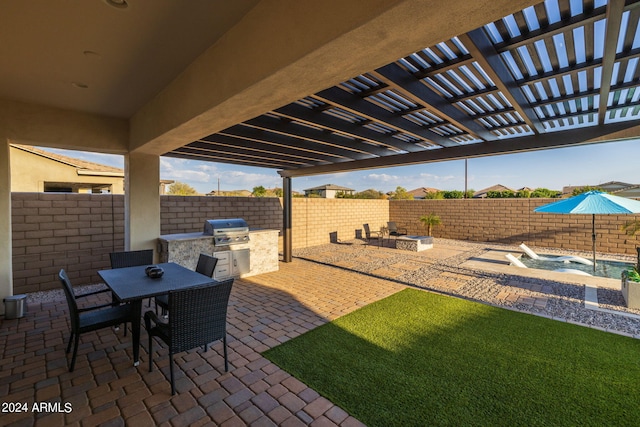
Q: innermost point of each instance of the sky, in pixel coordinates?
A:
(553, 169)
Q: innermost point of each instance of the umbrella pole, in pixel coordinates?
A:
(593, 239)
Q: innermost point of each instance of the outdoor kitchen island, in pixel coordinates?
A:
(257, 255)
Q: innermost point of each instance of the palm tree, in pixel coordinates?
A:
(429, 221)
(631, 227)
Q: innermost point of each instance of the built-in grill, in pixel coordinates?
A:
(230, 231)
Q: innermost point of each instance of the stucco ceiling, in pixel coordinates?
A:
(51, 50)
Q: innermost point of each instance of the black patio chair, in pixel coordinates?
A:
(206, 265)
(396, 231)
(198, 317)
(130, 259)
(87, 319)
(368, 234)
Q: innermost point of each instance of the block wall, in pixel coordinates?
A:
(513, 221)
(71, 231)
(77, 231)
(187, 214)
(313, 219)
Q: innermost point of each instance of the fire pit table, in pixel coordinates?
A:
(414, 243)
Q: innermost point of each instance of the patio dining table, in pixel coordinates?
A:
(132, 285)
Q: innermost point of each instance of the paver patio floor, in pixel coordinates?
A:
(106, 389)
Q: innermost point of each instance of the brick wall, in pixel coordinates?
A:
(77, 231)
(513, 221)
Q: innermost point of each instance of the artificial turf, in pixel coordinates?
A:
(420, 359)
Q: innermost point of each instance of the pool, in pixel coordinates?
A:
(604, 268)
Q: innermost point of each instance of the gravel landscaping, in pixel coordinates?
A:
(557, 300)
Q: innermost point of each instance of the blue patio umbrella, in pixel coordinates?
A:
(594, 203)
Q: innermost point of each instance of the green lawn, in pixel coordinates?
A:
(421, 359)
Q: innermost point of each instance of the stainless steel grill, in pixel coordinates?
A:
(230, 231)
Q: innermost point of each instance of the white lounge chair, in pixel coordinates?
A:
(565, 258)
(515, 261)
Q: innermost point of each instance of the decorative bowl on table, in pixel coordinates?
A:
(154, 272)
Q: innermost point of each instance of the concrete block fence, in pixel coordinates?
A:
(513, 221)
(77, 231)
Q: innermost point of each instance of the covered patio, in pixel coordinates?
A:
(319, 88)
(304, 89)
(321, 284)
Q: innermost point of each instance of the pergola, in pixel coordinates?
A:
(310, 88)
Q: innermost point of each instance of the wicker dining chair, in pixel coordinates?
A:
(92, 318)
(130, 259)
(198, 317)
(206, 265)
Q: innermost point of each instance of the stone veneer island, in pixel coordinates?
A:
(259, 255)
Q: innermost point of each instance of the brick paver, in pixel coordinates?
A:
(264, 311)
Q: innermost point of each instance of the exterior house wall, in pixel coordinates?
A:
(29, 172)
(77, 231)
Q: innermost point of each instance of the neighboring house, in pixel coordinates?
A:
(328, 191)
(421, 193)
(618, 188)
(38, 171)
(632, 191)
(163, 185)
(481, 194)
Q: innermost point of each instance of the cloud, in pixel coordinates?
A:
(437, 178)
(179, 170)
(208, 167)
(242, 180)
(383, 177)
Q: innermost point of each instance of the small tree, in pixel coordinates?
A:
(259, 191)
(577, 191)
(453, 194)
(401, 194)
(429, 221)
(545, 192)
(370, 194)
(181, 189)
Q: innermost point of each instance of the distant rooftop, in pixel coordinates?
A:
(330, 187)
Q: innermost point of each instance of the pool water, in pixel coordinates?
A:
(604, 268)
